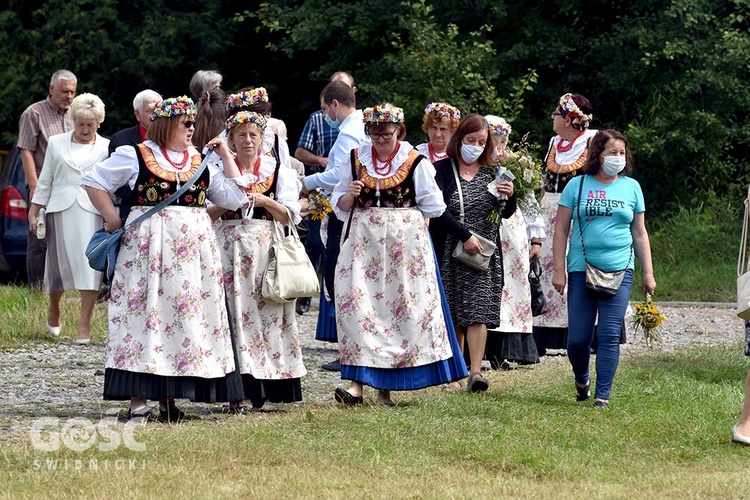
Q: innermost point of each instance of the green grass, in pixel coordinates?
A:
(23, 317)
(694, 253)
(667, 435)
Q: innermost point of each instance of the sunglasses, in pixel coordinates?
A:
(387, 136)
(188, 123)
(556, 113)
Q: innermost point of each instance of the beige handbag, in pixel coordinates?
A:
(743, 267)
(289, 273)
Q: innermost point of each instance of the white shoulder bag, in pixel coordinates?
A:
(743, 267)
(289, 273)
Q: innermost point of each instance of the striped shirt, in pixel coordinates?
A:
(317, 136)
(38, 123)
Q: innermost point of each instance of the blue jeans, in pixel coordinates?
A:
(582, 309)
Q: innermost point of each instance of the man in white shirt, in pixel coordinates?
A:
(338, 104)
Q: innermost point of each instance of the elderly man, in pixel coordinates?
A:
(38, 123)
(143, 104)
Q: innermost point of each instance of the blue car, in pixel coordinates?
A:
(14, 226)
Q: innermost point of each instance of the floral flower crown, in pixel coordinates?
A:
(384, 113)
(570, 109)
(246, 98)
(172, 107)
(498, 126)
(243, 117)
(439, 110)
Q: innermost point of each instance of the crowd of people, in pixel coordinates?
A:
(424, 252)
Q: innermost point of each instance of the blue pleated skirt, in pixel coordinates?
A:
(326, 327)
(417, 377)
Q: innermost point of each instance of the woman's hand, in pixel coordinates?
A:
(218, 146)
(535, 250)
(505, 187)
(559, 280)
(649, 283)
(355, 188)
(472, 245)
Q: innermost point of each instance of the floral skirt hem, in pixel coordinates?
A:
(123, 385)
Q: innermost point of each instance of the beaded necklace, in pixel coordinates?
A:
(256, 168)
(387, 164)
(178, 166)
(433, 154)
(562, 149)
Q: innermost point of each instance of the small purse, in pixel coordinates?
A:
(289, 273)
(103, 246)
(479, 261)
(743, 267)
(538, 300)
(604, 283)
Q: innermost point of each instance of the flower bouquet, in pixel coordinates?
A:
(528, 179)
(319, 205)
(648, 318)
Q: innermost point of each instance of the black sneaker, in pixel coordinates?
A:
(333, 366)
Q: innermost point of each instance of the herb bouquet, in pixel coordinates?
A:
(319, 205)
(528, 179)
(648, 318)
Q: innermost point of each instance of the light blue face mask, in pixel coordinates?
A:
(334, 124)
(471, 153)
(613, 165)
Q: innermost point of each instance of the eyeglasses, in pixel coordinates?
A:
(188, 123)
(556, 113)
(387, 136)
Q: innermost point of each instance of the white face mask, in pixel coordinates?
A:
(613, 165)
(471, 153)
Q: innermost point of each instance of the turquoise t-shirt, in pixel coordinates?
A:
(606, 213)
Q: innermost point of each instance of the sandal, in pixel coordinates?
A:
(452, 388)
(477, 383)
(583, 393)
(172, 415)
(142, 414)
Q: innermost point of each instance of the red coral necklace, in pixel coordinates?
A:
(178, 166)
(256, 168)
(387, 164)
(562, 149)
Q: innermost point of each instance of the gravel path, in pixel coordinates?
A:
(65, 380)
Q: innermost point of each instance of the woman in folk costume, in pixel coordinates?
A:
(567, 153)
(393, 331)
(439, 122)
(168, 329)
(265, 332)
(521, 238)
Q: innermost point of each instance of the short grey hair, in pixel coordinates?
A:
(87, 103)
(144, 95)
(62, 74)
(204, 80)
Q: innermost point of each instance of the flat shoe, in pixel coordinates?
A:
(237, 410)
(54, 330)
(583, 393)
(385, 401)
(172, 415)
(142, 414)
(601, 404)
(452, 388)
(477, 383)
(82, 341)
(344, 396)
(739, 438)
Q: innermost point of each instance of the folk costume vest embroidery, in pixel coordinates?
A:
(395, 191)
(155, 184)
(266, 187)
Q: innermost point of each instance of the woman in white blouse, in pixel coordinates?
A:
(71, 218)
(168, 330)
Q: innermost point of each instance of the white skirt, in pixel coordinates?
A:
(515, 311)
(557, 304)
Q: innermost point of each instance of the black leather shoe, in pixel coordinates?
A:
(583, 393)
(172, 415)
(343, 396)
(333, 366)
(601, 404)
(143, 414)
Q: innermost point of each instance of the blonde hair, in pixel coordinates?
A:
(87, 103)
(243, 126)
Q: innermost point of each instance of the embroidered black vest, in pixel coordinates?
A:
(155, 184)
(396, 191)
(556, 177)
(267, 187)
